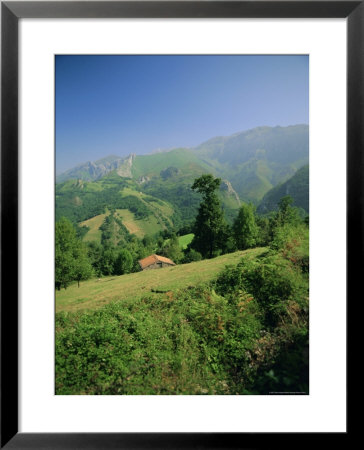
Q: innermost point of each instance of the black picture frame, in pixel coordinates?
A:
(11, 12)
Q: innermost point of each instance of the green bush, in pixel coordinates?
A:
(191, 255)
(271, 280)
(293, 244)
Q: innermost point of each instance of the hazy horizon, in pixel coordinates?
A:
(117, 105)
(165, 150)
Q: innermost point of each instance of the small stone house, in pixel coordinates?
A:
(155, 262)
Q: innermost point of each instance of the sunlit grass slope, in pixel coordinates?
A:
(185, 240)
(94, 233)
(139, 227)
(160, 217)
(96, 293)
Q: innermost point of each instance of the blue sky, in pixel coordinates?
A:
(136, 104)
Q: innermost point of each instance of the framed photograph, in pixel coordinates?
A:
(162, 165)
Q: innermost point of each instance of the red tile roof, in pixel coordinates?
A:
(152, 259)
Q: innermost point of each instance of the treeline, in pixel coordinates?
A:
(213, 236)
(117, 254)
(89, 204)
(184, 200)
(119, 251)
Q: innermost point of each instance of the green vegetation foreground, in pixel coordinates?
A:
(245, 332)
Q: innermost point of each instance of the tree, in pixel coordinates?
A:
(172, 249)
(108, 259)
(82, 266)
(245, 228)
(285, 223)
(71, 258)
(95, 251)
(210, 224)
(124, 262)
(264, 234)
(64, 249)
(286, 213)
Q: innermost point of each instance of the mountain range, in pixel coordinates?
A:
(253, 161)
(257, 165)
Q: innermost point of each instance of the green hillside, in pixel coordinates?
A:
(86, 202)
(297, 187)
(184, 160)
(158, 218)
(163, 202)
(96, 293)
(253, 161)
(284, 145)
(258, 159)
(185, 240)
(152, 193)
(139, 227)
(94, 224)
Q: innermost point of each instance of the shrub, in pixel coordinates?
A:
(123, 263)
(229, 280)
(192, 255)
(272, 282)
(293, 244)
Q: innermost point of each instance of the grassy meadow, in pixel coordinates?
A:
(94, 224)
(139, 227)
(96, 293)
(185, 240)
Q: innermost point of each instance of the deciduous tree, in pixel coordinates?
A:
(124, 262)
(71, 261)
(245, 228)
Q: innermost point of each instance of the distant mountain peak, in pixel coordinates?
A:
(108, 159)
(94, 170)
(253, 161)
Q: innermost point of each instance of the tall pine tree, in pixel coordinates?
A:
(210, 227)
